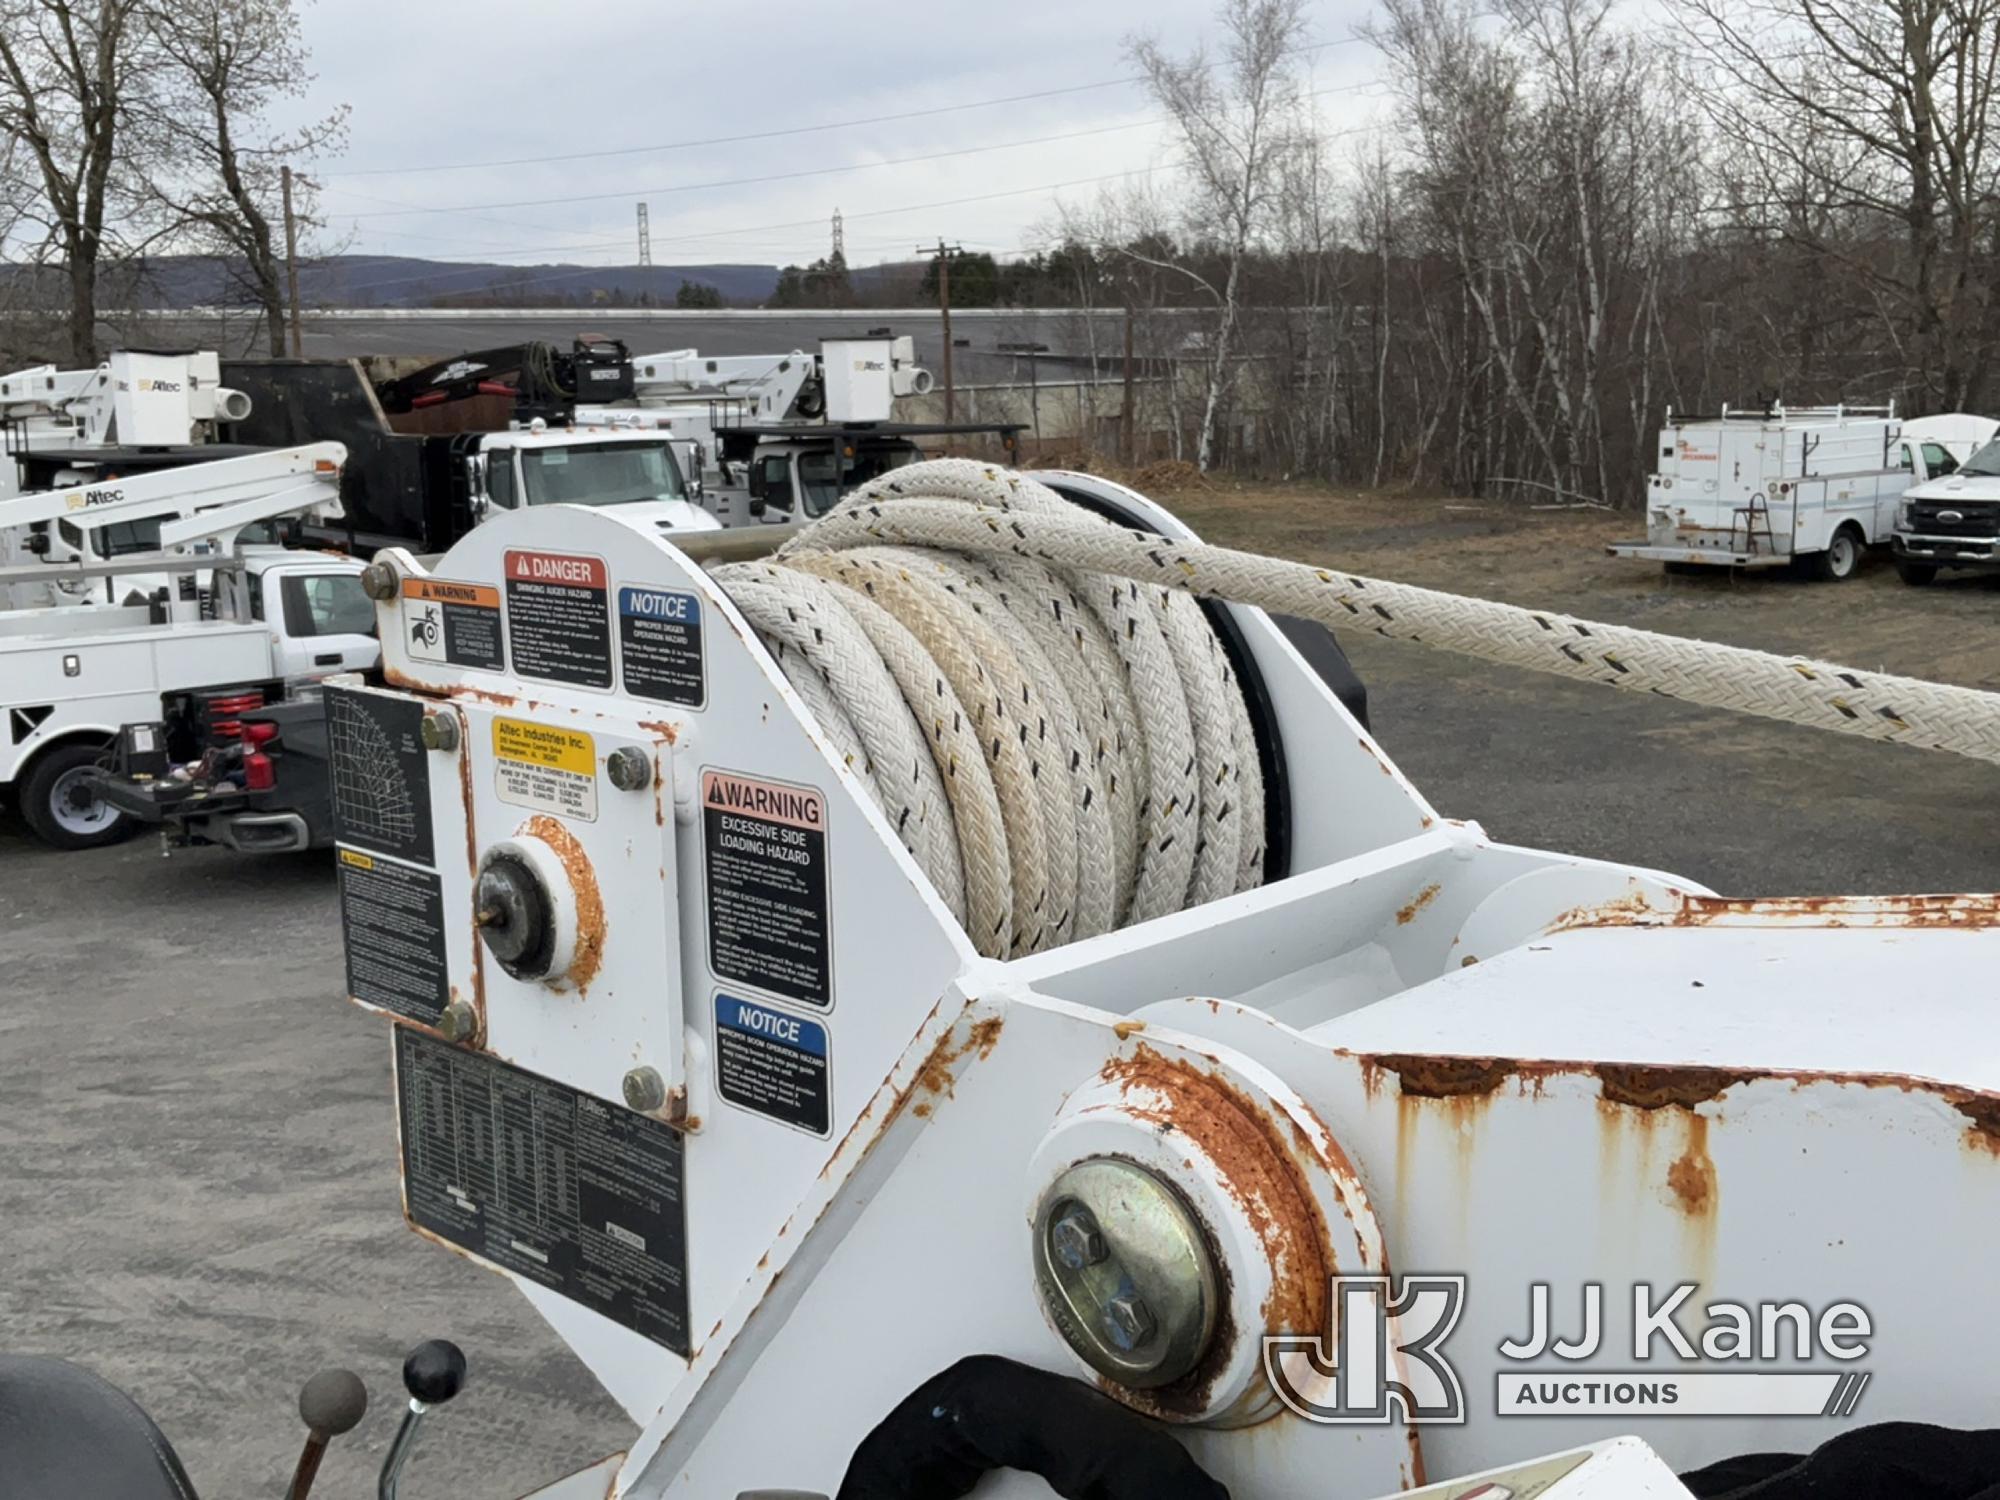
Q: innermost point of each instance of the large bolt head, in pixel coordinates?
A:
(1128, 1322)
(459, 1022)
(378, 581)
(629, 768)
(439, 732)
(1074, 1238)
(645, 1090)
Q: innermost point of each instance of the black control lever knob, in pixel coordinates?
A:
(434, 1372)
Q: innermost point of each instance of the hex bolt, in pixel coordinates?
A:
(379, 581)
(1075, 1239)
(645, 1090)
(439, 732)
(459, 1022)
(630, 768)
(1128, 1322)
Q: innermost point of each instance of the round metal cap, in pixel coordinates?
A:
(514, 916)
(1125, 1272)
(629, 768)
(645, 1090)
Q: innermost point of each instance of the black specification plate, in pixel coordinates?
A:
(555, 1185)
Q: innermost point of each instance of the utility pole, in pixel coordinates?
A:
(292, 261)
(645, 238)
(944, 253)
(1125, 440)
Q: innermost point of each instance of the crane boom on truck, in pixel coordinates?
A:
(229, 628)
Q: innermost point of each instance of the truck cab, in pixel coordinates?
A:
(1951, 518)
(542, 465)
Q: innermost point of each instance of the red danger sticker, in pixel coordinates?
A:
(556, 567)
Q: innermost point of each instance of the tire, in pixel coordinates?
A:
(61, 812)
(1842, 558)
(1916, 574)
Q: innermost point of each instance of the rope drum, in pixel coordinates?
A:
(1058, 736)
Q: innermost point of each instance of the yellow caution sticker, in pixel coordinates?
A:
(545, 767)
(355, 859)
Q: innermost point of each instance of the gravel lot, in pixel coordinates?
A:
(201, 1201)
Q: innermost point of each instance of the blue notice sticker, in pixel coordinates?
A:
(774, 1063)
(659, 640)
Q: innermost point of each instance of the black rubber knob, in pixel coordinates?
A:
(333, 1401)
(434, 1372)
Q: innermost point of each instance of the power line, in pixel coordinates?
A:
(767, 135)
(899, 161)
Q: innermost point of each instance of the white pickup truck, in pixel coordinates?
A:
(1810, 488)
(1951, 521)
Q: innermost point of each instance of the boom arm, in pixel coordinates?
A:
(193, 488)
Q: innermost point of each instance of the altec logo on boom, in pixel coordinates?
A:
(1384, 1357)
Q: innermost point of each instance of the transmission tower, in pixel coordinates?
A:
(645, 239)
(839, 238)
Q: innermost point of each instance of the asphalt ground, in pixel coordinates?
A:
(200, 1197)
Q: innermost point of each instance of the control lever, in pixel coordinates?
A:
(433, 1374)
(330, 1403)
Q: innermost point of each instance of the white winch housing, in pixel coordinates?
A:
(1414, 1049)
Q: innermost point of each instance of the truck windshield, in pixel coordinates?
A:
(611, 474)
(1986, 461)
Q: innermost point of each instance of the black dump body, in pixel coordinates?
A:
(404, 489)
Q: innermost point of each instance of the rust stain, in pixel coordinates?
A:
(1254, 1165)
(1982, 1114)
(1691, 1178)
(669, 732)
(1957, 912)
(1126, 1030)
(1441, 1077)
(1422, 899)
(1661, 1088)
(590, 930)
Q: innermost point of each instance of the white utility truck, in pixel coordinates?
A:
(781, 437)
(1809, 488)
(1952, 520)
(232, 628)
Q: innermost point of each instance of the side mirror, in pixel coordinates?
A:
(756, 507)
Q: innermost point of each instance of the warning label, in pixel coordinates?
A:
(659, 642)
(559, 618)
(381, 775)
(773, 1064)
(554, 1185)
(764, 853)
(453, 624)
(393, 917)
(545, 767)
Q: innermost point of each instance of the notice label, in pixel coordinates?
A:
(559, 617)
(381, 773)
(773, 1064)
(554, 1185)
(764, 854)
(393, 918)
(545, 767)
(659, 642)
(453, 624)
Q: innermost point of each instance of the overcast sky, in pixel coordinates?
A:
(440, 83)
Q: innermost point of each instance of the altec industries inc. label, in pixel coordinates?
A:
(546, 767)
(764, 856)
(392, 916)
(659, 646)
(452, 624)
(774, 1064)
(559, 618)
(552, 1184)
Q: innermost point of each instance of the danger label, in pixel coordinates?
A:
(559, 618)
(659, 642)
(773, 1064)
(393, 919)
(452, 624)
(545, 767)
(764, 855)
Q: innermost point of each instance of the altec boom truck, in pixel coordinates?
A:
(1249, 1129)
(231, 629)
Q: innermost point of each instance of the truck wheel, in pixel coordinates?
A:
(1915, 574)
(59, 806)
(1842, 556)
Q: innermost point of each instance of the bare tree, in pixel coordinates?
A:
(67, 72)
(228, 62)
(1863, 132)
(1238, 119)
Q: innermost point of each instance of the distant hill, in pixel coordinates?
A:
(410, 281)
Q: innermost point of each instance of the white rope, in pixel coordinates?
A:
(1058, 736)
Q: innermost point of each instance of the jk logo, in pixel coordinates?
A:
(1382, 1356)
